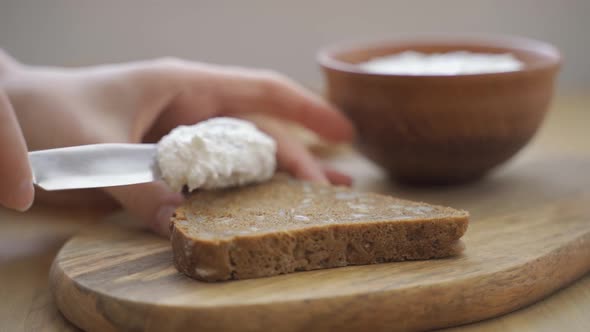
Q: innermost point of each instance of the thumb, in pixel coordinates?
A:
(153, 203)
(16, 191)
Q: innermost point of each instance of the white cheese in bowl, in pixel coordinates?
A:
(451, 63)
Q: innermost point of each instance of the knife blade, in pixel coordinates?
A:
(94, 166)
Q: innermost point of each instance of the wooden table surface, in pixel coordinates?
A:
(29, 242)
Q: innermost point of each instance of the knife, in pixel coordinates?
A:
(94, 166)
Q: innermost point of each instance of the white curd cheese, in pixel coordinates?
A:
(217, 153)
(451, 63)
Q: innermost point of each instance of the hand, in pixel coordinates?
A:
(16, 191)
(140, 102)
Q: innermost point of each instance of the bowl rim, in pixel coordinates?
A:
(553, 57)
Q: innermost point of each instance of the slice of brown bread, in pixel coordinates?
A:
(287, 225)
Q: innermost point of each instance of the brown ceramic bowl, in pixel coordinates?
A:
(435, 129)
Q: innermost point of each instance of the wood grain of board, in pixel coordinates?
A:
(529, 236)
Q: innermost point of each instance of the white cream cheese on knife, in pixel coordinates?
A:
(217, 153)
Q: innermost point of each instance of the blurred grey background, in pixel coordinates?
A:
(279, 35)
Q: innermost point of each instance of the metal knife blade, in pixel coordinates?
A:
(94, 166)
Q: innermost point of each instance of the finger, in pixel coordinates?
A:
(85, 199)
(276, 95)
(16, 191)
(173, 92)
(292, 155)
(153, 203)
(336, 177)
(198, 91)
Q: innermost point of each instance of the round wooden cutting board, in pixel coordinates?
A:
(529, 236)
